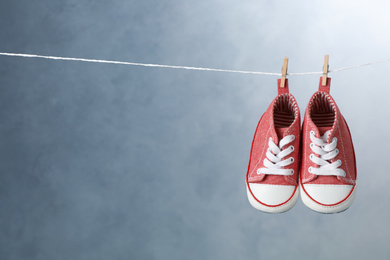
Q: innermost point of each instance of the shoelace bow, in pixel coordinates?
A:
(326, 153)
(274, 163)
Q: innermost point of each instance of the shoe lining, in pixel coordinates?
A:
(284, 112)
(322, 111)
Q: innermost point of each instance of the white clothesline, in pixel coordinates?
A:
(181, 67)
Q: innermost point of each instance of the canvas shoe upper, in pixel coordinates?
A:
(328, 164)
(272, 176)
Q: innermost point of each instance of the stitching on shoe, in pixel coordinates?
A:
(295, 108)
(345, 159)
(305, 162)
(290, 179)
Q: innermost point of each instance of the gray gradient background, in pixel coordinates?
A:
(119, 162)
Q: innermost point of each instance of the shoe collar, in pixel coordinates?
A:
(323, 94)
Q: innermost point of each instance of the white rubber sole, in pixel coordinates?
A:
(269, 209)
(331, 209)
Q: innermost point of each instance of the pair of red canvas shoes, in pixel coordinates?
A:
(320, 159)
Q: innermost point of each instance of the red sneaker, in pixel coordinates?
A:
(272, 177)
(328, 167)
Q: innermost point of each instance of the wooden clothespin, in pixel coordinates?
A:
(325, 70)
(284, 72)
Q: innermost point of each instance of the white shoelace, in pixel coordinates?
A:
(274, 163)
(326, 153)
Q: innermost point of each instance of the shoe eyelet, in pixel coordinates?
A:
(312, 145)
(312, 133)
(311, 156)
(293, 137)
(310, 169)
(337, 151)
(258, 172)
(292, 148)
(292, 159)
(291, 172)
(334, 139)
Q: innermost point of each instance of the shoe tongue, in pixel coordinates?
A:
(280, 132)
(323, 129)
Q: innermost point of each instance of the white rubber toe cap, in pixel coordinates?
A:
(328, 198)
(328, 194)
(271, 195)
(272, 198)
